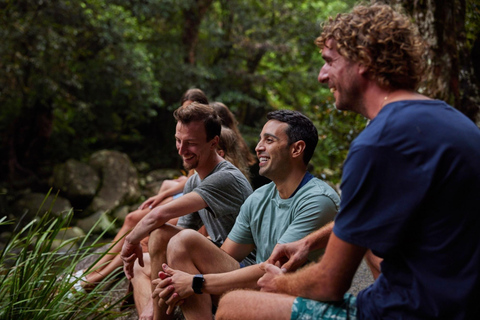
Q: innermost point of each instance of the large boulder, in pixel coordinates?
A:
(154, 179)
(119, 180)
(30, 204)
(78, 181)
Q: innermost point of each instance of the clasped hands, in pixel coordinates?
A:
(172, 287)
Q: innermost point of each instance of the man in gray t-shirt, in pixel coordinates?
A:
(224, 190)
(214, 193)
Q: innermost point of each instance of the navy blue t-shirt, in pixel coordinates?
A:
(411, 193)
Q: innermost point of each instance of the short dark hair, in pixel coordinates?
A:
(299, 128)
(200, 112)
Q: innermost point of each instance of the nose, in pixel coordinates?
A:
(323, 75)
(180, 148)
(259, 146)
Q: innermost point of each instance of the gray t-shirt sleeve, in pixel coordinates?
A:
(191, 220)
(223, 193)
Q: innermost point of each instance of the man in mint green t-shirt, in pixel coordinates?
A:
(289, 208)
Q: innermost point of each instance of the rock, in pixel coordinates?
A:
(97, 223)
(154, 179)
(77, 180)
(119, 180)
(31, 203)
(61, 242)
(121, 213)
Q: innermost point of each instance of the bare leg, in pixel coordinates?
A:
(157, 247)
(373, 263)
(245, 304)
(142, 292)
(111, 260)
(191, 252)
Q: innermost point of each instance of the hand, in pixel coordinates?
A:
(289, 256)
(267, 281)
(173, 287)
(130, 253)
(151, 202)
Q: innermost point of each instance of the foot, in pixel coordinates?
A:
(147, 313)
(76, 279)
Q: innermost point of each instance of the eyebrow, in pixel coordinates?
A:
(269, 135)
(188, 140)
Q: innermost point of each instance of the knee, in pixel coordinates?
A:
(157, 243)
(133, 218)
(182, 245)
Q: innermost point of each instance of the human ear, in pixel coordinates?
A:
(214, 142)
(297, 148)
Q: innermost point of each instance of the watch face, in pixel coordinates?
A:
(197, 283)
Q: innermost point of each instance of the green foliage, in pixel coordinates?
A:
(30, 265)
(83, 61)
(110, 72)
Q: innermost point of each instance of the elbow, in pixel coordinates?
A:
(336, 292)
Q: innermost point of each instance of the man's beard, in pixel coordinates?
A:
(190, 166)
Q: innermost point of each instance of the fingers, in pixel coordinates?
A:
(161, 285)
(146, 204)
(169, 271)
(167, 295)
(155, 203)
(273, 269)
(171, 307)
(128, 263)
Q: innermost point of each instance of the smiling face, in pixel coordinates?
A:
(192, 144)
(343, 79)
(273, 149)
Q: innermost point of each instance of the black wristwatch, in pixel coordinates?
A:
(197, 283)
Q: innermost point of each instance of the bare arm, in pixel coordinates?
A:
(188, 203)
(131, 250)
(290, 256)
(218, 278)
(168, 189)
(332, 275)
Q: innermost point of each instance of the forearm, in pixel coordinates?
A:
(150, 222)
(244, 278)
(173, 189)
(328, 279)
(318, 239)
(300, 284)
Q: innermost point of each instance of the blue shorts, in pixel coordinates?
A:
(178, 195)
(303, 309)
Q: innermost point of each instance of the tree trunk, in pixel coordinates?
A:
(193, 18)
(451, 76)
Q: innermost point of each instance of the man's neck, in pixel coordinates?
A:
(377, 98)
(209, 165)
(289, 184)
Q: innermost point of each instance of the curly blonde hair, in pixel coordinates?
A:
(385, 41)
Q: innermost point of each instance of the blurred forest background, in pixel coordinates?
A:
(84, 75)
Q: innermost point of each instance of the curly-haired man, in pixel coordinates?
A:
(409, 192)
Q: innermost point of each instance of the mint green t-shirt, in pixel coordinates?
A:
(265, 219)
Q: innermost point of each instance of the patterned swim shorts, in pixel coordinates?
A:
(306, 309)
